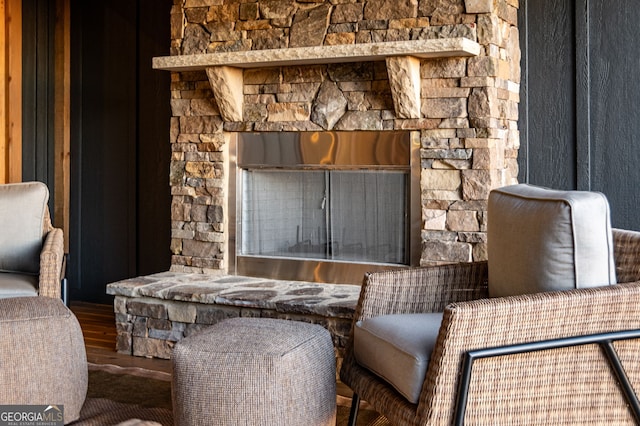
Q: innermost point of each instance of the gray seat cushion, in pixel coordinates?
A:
(545, 240)
(397, 348)
(22, 211)
(18, 285)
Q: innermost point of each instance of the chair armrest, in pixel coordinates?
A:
(51, 261)
(626, 249)
(420, 290)
(531, 318)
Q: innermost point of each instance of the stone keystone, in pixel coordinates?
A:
(329, 106)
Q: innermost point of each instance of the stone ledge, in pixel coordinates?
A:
(294, 297)
(430, 48)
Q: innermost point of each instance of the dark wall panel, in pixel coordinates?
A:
(38, 28)
(614, 113)
(120, 149)
(154, 149)
(547, 103)
(580, 126)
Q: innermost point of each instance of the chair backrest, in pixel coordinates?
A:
(544, 240)
(23, 207)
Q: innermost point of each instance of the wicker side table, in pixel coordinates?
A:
(255, 371)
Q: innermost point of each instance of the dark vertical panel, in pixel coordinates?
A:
(154, 150)
(614, 37)
(120, 194)
(38, 27)
(549, 66)
(585, 114)
(105, 247)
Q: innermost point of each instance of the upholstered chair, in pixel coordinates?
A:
(545, 332)
(31, 249)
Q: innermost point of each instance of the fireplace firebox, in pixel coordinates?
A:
(324, 206)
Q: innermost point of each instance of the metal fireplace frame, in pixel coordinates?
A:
(345, 151)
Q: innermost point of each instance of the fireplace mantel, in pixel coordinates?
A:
(224, 70)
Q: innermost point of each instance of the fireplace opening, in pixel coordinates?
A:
(324, 206)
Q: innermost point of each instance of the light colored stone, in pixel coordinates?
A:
(479, 6)
(227, 84)
(514, 56)
(434, 219)
(182, 312)
(490, 30)
(463, 220)
(422, 48)
(404, 79)
(440, 179)
(476, 184)
(484, 103)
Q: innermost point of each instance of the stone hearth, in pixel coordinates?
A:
(155, 311)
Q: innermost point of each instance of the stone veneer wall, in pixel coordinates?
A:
(468, 125)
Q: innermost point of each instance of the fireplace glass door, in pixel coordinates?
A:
(339, 215)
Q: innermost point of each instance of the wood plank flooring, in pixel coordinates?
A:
(99, 330)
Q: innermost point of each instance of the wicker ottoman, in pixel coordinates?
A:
(42, 355)
(255, 371)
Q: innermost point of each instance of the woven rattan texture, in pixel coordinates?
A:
(255, 371)
(568, 386)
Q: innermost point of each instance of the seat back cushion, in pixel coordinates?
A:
(546, 240)
(22, 212)
(397, 348)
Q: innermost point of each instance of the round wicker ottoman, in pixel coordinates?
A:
(255, 371)
(42, 355)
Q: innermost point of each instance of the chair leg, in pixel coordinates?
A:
(355, 405)
(65, 292)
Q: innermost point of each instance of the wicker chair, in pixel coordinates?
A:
(570, 385)
(36, 264)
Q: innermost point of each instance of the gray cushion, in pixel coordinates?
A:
(22, 212)
(398, 348)
(545, 240)
(18, 285)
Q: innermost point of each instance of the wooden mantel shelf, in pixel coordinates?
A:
(224, 69)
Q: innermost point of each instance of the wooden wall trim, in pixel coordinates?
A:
(11, 91)
(62, 117)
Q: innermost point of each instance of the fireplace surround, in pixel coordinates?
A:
(446, 72)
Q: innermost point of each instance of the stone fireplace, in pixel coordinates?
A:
(445, 72)
(466, 119)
